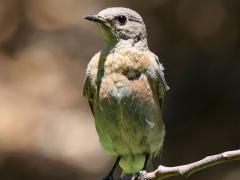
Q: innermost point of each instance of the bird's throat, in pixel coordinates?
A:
(113, 42)
(107, 35)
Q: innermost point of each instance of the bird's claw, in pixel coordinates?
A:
(140, 175)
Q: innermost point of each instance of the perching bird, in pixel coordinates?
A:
(125, 87)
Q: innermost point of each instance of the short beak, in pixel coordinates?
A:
(94, 18)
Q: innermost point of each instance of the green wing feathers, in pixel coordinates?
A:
(88, 92)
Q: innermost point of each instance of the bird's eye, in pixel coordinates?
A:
(121, 19)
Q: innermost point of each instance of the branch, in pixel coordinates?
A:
(187, 170)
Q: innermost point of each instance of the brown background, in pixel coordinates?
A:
(46, 128)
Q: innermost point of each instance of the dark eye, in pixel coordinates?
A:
(121, 19)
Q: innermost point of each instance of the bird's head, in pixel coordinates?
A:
(120, 23)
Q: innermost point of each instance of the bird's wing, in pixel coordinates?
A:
(88, 92)
(160, 81)
(161, 75)
(89, 88)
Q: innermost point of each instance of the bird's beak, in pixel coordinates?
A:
(95, 18)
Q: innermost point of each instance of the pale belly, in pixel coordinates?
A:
(128, 117)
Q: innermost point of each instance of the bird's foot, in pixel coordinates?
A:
(109, 177)
(140, 175)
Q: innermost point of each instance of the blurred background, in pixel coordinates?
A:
(46, 128)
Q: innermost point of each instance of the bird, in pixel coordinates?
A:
(125, 88)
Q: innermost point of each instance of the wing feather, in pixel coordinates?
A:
(88, 92)
(161, 83)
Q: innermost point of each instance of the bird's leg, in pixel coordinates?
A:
(141, 175)
(126, 178)
(110, 174)
(146, 162)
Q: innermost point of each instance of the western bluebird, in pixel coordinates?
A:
(125, 86)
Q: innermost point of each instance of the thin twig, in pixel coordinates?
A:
(187, 170)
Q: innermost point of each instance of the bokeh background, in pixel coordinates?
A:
(46, 128)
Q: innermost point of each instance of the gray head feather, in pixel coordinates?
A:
(110, 13)
(120, 23)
